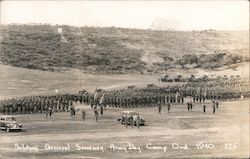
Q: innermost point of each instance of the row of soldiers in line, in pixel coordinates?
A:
(130, 97)
(149, 100)
(232, 80)
(215, 104)
(36, 104)
(174, 94)
(111, 101)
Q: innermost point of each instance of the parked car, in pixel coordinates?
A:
(8, 123)
(122, 117)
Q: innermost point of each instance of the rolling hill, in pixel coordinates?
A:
(119, 50)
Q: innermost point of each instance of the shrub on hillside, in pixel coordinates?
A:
(116, 50)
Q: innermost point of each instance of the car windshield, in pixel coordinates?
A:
(10, 119)
(132, 114)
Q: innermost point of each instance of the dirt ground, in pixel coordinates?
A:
(223, 134)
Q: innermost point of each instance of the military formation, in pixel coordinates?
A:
(39, 104)
(220, 89)
(195, 91)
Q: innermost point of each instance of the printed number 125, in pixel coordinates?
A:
(231, 146)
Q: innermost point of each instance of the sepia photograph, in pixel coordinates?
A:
(124, 79)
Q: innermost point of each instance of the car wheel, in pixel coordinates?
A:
(7, 129)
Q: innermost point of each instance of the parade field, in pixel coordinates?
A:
(18, 82)
(178, 134)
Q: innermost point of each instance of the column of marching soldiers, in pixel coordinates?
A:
(151, 95)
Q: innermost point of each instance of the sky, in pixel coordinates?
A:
(181, 15)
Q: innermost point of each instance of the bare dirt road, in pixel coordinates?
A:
(178, 134)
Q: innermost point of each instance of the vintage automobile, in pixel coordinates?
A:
(122, 117)
(8, 123)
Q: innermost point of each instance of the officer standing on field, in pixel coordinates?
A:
(83, 115)
(217, 105)
(204, 109)
(138, 121)
(126, 121)
(169, 105)
(96, 114)
(131, 121)
(188, 106)
(191, 106)
(213, 109)
(101, 110)
(159, 108)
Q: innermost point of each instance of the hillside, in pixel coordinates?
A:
(119, 50)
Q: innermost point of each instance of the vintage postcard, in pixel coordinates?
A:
(124, 79)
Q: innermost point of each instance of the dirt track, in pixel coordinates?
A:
(229, 126)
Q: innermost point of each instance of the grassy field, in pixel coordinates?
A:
(229, 126)
(16, 82)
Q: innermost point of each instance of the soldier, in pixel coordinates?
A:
(96, 114)
(148, 100)
(178, 99)
(217, 104)
(126, 121)
(204, 108)
(125, 102)
(1, 107)
(15, 107)
(80, 99)
(174, 98)
(144, 100)
(92, 103)
(197, 98)
(83, 115)
(50, 112)
(213, 109)
(188, 106)
(28, 106)
(171, 99)
(159, 108)
(42, 104)
(101, 110)
(47, 112)
(169, 105)
(19, 108)
(131, 119)
(39, 105)
(10, 109)
(72, 111)
(191, 106)
(23, 109)
(138, 120)
(204, 98)
(34, 107)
